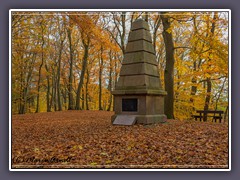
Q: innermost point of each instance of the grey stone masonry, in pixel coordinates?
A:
(139, 24)
(139, 69)
(140, 57)
(140, 34)
(138, 94)
(140, 45)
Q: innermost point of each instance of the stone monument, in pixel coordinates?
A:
(138, 95)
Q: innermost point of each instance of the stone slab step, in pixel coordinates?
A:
(127, 120)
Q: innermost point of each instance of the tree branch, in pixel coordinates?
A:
(182, 47)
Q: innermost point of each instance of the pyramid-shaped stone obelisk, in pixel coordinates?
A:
(138, 95)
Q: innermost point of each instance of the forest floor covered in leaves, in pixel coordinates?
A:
(87, 139)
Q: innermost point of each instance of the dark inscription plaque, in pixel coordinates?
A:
(129, 105)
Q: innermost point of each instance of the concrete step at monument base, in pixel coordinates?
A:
(125, 119)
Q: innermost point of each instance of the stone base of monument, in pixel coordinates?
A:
(143, 108)
(138, 119)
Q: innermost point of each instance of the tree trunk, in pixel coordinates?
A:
(21, 111)
(84, 66)
(169, 70)
(156, 26)
(86, 86)
(53, 88)
(55, 95)
(219, 94)
(83, 94)
(146, 16)
(110, 81)
(23, 101)
(70, 85)
(196, 65)
(123, 17)
(100, 80)
(208, 97)
(226, 115)
(40, 69)
(208, 80)
(194, 80)
(121, 31)
(193, 87)
(59, 77)
(25, 86)
(64, 94)
(38, 87)
(115, 76)
(48, 90)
